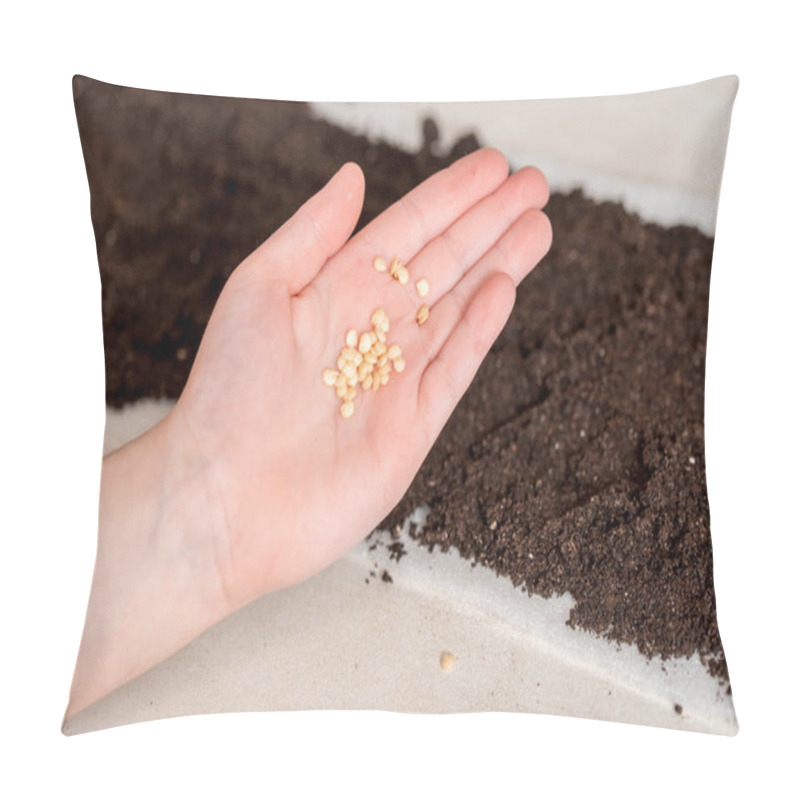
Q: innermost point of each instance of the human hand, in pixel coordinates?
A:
(254, 480)
(296, 484)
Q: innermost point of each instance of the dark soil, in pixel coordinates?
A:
(575, 463)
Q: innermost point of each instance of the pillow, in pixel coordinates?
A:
(553, 553)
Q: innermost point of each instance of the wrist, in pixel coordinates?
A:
(160, 574)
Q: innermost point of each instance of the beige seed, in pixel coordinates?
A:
(340, 362)
(447, 662)
(370, 358)
(378, 317)
(351, 354)
(402, 275)
(341, 390)
(349, 370)
(364, 343)
(379, 264)
(399, 364)
(329, 376)
(394, 351)
(423, 287)
(379, 348)
(366, 384)
(347, 409)
(383, 361)
(384, 378)
(363, 370)
(423, 314)
(351, 340)
(350, 394)
(381, 336)
(395, 268)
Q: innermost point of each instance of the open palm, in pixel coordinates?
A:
(290, 483)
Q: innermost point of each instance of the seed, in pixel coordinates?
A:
(350, 353)
(447, 662)
(370, 358)
(341, 390)
(379, 264)
(378, 318)
(367, 383)
(351, 340)
(340, 362)
(347, 409)
(381, 336)
(349, 370)
(379, 348)
(364, 343)
(399, 364)
(350, 394)
(423, 314)
(402, 275)
(363, 370)
(383, 361)
(395, 268)
(384, 378)
(423, 287)
(329, 376)
(394, 352)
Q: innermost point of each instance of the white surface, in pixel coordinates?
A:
(348, 639)
(655, 151)
(51, 340)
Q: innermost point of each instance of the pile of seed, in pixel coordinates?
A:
(366, 360)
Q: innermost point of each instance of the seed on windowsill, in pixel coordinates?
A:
(447, 662)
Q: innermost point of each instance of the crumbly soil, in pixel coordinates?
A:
(575, 462)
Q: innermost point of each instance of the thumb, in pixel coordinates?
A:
(297, 251)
